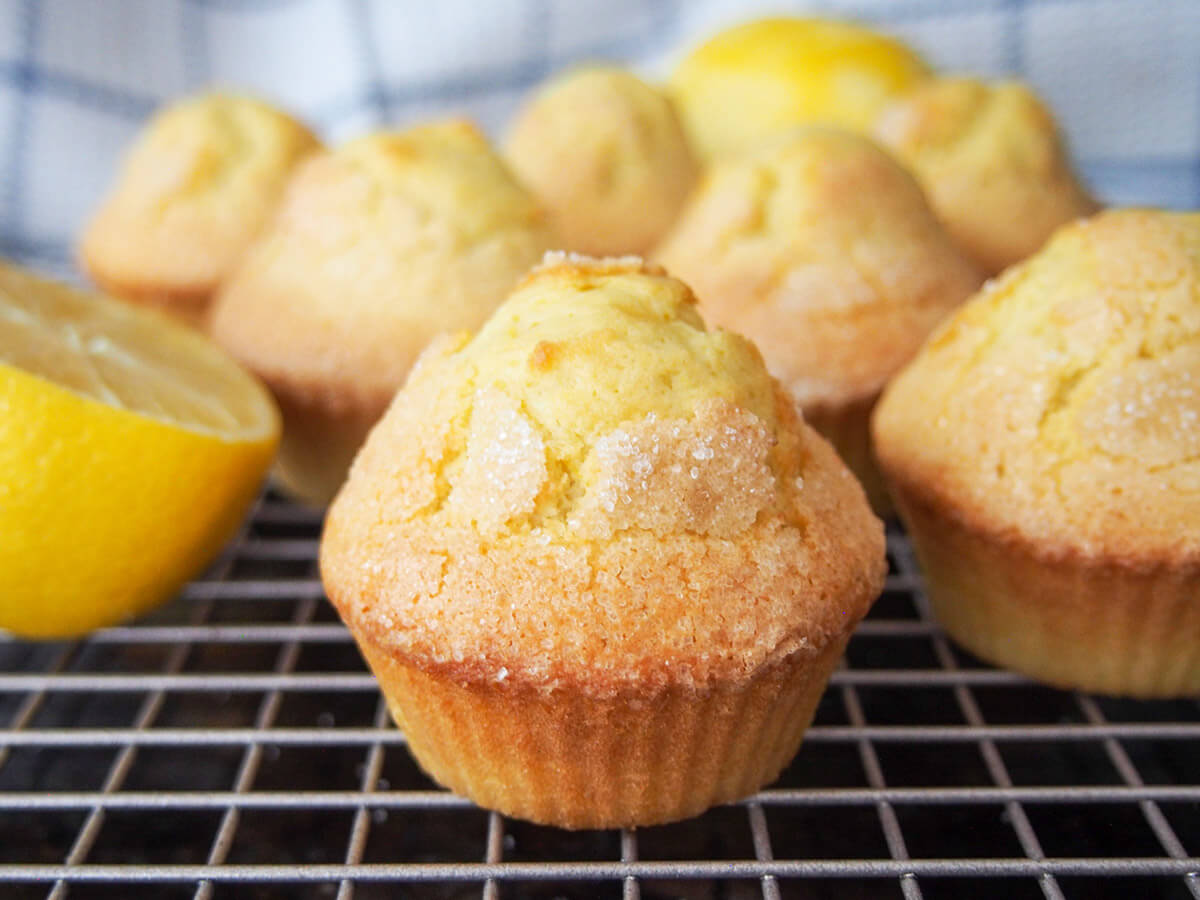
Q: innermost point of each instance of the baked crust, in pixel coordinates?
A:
(633, 609)
(494, 526)
(1061, 406)
(196, 188)
(1044, 451)
(378, 246)
(823, 251)
(992, 161)
(606, 154)
(848, 428)
(600, 566)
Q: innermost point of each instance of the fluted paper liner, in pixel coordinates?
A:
(1072, 623)
(565, 758)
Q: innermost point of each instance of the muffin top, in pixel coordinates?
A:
(1062, 404)
(197, 186)
(596, 489)
(378, 246)
(991, 159)
(606, 153)
(822, 250)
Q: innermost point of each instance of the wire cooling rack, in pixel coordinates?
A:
(233, 745)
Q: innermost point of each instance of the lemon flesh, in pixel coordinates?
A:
(759, 79)
(130, 449)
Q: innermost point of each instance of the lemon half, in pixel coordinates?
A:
(130, 449)
(764, 77)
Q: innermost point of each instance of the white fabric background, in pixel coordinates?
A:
(79, 77)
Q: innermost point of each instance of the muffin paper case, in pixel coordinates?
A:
(1072, 622)
(1044, 452)
(599, 565)
(638, 758)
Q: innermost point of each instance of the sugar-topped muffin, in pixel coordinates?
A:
(821, 249)
(1044, 451)
(599, 565)
(606, 153)
(379, 245)
(199, 184)
(992, 161)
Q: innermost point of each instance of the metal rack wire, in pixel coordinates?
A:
(233, 745)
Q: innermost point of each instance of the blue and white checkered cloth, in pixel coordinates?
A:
(79, 77)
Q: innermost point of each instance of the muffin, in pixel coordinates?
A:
(992, 162)
(379, 245)
(605, 153)
(199, 184)
(1044, 451)
(763, 78)
(822, 250)
(599, 565)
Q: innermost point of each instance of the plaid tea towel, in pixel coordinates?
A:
(79, 77)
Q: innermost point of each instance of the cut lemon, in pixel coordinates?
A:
(758, 79)
(130, 449)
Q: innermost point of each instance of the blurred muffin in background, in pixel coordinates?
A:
(992, 161)
(1044, 452)
(822, 249)
(378, 246)
(606, 154)
(761, 78)
(199, 184)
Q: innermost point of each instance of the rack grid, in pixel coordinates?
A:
(233, 745)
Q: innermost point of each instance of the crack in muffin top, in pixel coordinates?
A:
(1063, 402)
(597, 487)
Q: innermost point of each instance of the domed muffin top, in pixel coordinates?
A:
(820, 248)
(596, 488)
(607, 155)
(1063, 402)
(993, 162)
(378, 245)
(195, 189)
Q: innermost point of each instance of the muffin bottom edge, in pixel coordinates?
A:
(1070, 622)
(567, 759)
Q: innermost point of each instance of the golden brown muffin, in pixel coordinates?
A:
(821, 249)
(991, 160)
(1044, 451)
(599, 565)
(196, 188)
(607, 156)
(764, 78)
(379, 246)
